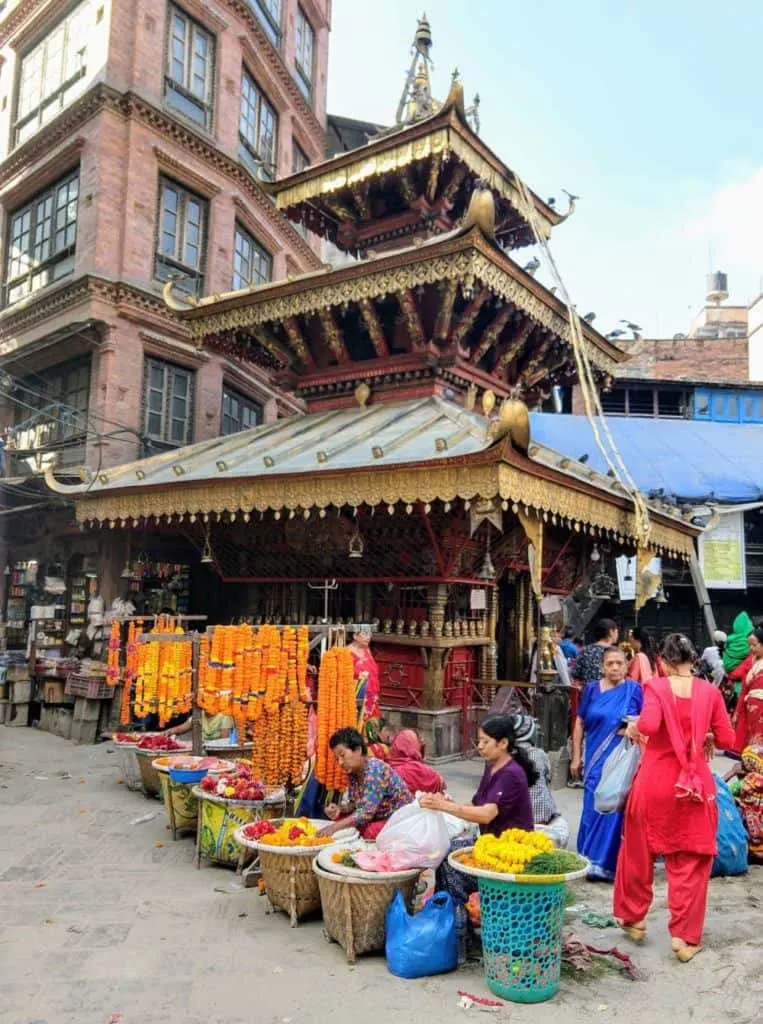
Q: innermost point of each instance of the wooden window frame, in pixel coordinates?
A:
(244, 401)
(162, 440)
(165, 263)
(250, 150)
(59, 262)
(179, 95)
(305, 76)
(271, 25)
(262, 255)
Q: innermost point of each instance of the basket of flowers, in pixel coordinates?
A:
(227, 803)
(521, 880)
(178, 795)
(126, 743)
(286, 850)
(147, 749)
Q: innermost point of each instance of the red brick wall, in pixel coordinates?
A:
(121, 158)
(707, 360)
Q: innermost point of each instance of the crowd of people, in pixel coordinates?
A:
(677, 706)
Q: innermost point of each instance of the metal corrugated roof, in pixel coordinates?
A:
(684, 458)
(379, 435)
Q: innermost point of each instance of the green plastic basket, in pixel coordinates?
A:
(522, 938)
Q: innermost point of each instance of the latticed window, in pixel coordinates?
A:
(189, 77)
(304, 54)
(181, 239)
(268, 14)
(168, 393)
(239, 412)
(52, 73)
(42, 237)
(258, 129)
(252, 264)
(64, 390)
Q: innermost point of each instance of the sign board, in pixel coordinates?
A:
(626, 575)
(722, 554)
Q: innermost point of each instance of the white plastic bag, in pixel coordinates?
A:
(414, 838)
(611, 794)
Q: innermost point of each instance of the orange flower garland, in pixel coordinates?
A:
(336, 710)
(112, 659)
(163, 675)
(131, 669)
(260, 678)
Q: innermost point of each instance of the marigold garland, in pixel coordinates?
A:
(337, 709)
(259, 676)
(164, 673)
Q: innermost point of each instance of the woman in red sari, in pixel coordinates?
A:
(671, 809)
(748, 715)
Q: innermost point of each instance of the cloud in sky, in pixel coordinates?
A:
(730, 221)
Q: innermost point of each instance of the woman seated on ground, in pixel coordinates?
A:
(374, 793)
(407, 758)
(502, 799)
(545, 812)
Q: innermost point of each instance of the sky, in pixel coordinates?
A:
(649, 110)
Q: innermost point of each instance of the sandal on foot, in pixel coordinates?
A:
(686, 953)
(636, 933)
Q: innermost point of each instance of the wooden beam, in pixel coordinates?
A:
(535, 368)
(264, 336)
(360, 196)
(468, 317)
(442, 329)
(410, 310)
(407, 187)
(514, 346)
(374, 327)
(332, 336)
(493, 332)
(434, 176)
(456, 181)
(297, 342)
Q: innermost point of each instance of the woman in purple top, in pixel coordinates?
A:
(502, 799)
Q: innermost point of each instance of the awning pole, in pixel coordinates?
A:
(702, 594)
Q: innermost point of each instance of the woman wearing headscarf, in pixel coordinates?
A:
(406, 757)
(672, 811)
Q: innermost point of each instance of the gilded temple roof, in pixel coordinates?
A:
(419, 450)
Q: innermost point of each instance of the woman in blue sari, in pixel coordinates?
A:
(605, 704)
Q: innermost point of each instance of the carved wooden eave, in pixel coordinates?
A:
(498, 473)
(457, 302)
(419, 178)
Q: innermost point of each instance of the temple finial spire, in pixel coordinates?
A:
(416, 101)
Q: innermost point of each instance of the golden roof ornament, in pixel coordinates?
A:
(513, 422)
(362, 394)
(488, 402)
(169, 299)
(455, 97)
(481, 211)
(416, 101)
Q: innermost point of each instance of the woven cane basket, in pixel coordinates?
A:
(355, 909)
(290, 884)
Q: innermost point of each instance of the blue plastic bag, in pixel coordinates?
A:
(424, 943)
(731, 858)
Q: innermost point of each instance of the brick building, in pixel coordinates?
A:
(134, 138)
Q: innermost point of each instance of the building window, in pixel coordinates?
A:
(304, 55)
(258, 129)
(299, 158)
(53, 403)
(614, 402)
(239, 413)
(251, 263)
(189, 75)
(182, 233)
(268, 14)
(168, 404)
(42, 237)
(52, 74)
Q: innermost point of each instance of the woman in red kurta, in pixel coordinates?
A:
(748, 715)
(671, 810)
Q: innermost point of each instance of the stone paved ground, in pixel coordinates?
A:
(98, 920)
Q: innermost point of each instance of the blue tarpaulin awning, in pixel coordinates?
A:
(684, 458)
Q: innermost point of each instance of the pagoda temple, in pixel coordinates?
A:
(409, 494)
